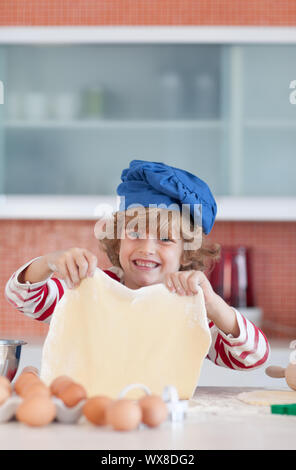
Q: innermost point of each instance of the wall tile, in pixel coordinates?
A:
(274, 272)
(148, 12)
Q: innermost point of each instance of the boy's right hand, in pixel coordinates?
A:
(72, 265)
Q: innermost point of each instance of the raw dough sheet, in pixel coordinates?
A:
(106, 336)
(268, 397)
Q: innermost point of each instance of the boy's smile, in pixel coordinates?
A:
(146, 264)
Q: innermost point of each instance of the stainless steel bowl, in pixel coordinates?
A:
(10, 353)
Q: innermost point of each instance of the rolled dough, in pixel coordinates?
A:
(268, 397)
(106, 336)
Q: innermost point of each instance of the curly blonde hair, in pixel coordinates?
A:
(201, 258)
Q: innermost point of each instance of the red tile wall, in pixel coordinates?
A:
(274, 272)
(148, 12)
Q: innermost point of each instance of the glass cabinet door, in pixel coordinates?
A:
(262, 140)
(2, 119)
(75, 116)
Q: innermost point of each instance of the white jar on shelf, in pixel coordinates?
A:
(204, 96)
(171, 97)
(14, 106)
(93, 102)
(35, 106)
(65, 106)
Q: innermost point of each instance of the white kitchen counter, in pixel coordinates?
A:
(220, 422)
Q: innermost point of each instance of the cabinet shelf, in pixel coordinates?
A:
(270, 123)
(145, 123)
(219, 111)
(111, 124)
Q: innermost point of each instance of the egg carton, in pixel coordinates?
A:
(177, 408)
(64, 414)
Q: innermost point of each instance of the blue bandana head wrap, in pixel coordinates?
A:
(153, 183)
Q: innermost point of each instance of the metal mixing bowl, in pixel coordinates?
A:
(10, 353)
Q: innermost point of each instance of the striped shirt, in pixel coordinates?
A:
(38, 300)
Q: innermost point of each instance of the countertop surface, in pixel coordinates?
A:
(218, 420)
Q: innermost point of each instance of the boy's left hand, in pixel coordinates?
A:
(186, 282)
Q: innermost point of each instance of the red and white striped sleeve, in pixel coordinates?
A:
(36, 300)
(246, 352)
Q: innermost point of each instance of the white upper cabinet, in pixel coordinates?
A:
(75, 115)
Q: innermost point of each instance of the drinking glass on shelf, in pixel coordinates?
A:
(65, 106)
(204, 96)
(171, 97)
(93, 102)
(35, 106)
(14, 106)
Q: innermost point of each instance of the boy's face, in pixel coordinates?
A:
(146, 260)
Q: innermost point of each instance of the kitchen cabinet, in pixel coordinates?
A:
(150, 110)
(265, 127)
(74, 115)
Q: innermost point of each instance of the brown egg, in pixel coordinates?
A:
(154, 410)
(32, 369)
(59, 383)
(36, 411)
(72, 394)
(290, 375)
(23, 379)
(124, 415)
(4, 394)
(35, 388)
(4, 382)
(94, 409)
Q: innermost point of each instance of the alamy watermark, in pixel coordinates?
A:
(1, 92)
(163, 222)
(292, 96)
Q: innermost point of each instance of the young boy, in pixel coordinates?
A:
(142, 258)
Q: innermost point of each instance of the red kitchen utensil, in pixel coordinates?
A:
(231, 276)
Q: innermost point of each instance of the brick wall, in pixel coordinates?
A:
(274, 272)
(148, 12)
